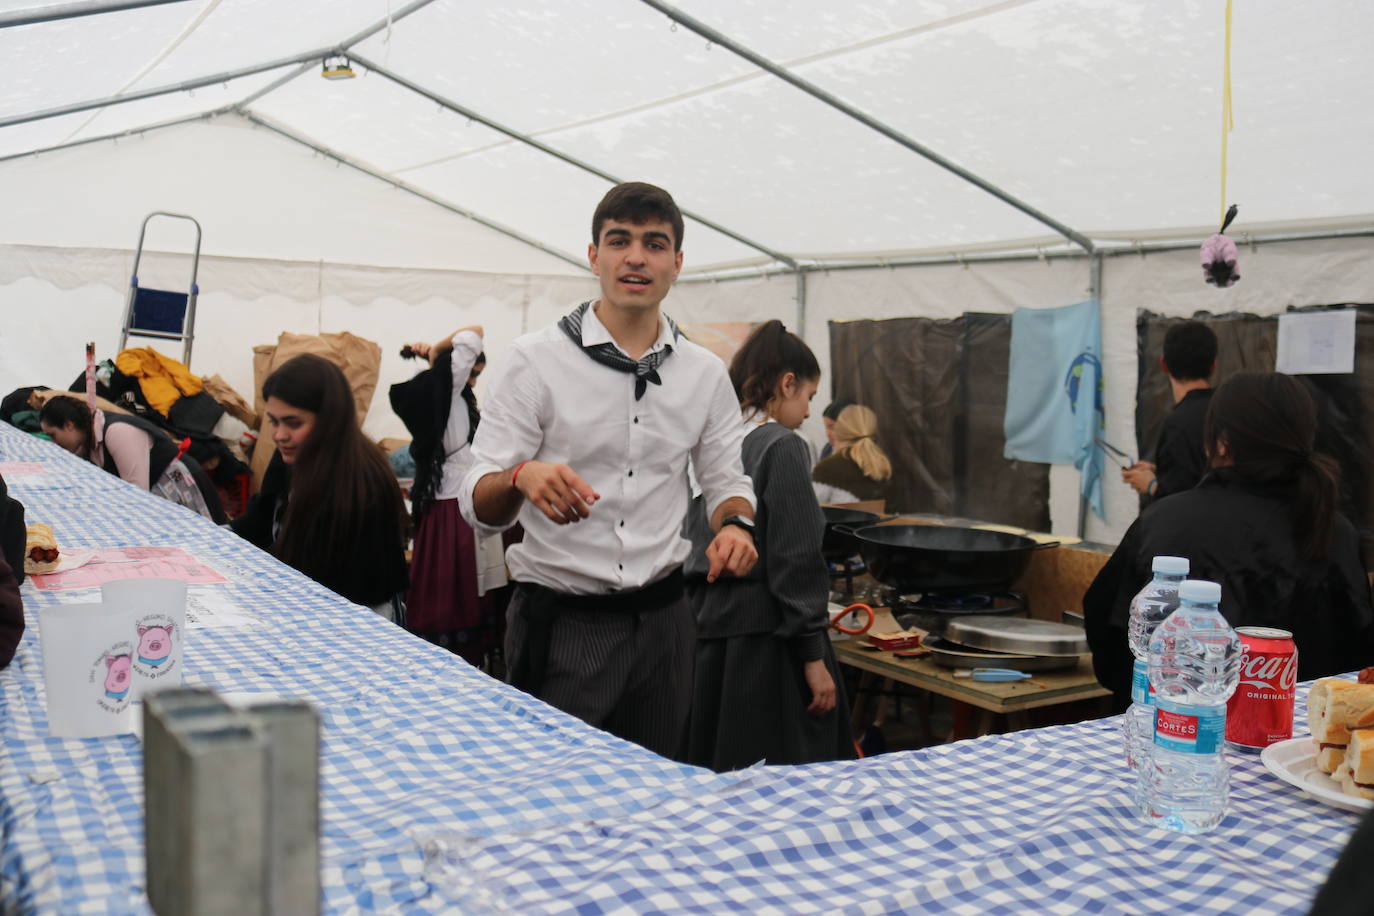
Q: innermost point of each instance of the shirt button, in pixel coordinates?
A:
(632, 473)
(636, 419)
(621, 565)
(622, 523)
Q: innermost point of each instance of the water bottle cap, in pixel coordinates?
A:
(1171, 566)
(1199, 591)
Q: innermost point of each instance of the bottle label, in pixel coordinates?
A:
(1141, 690)
(1190, 729)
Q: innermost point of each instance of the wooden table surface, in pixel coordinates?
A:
(1063, 686)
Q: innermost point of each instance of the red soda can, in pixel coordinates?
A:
(1260, 712)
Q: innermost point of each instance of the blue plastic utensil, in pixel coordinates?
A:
(994, 674)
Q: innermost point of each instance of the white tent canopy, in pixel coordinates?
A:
(453, 180)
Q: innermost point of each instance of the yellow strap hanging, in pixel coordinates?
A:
(1228, 121)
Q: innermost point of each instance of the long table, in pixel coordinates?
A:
(446, 791)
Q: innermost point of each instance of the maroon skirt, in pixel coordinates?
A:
(443, 573)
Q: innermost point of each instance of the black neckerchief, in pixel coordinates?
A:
(645, 370)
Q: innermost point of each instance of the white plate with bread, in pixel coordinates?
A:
(1295, 762)
(1336, 764)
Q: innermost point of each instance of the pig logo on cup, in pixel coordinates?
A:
(111, 676)
(154, 644)
(156, 655)
(117, 676)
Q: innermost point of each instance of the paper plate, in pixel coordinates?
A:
(1295, 762)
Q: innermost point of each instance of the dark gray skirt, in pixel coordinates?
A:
(749, 704)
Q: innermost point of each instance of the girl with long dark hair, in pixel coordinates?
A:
(133, 449)
(329, 504)
(767, 686)
(1263, 523)
(453, 572)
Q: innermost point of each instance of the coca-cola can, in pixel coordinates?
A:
(1260, 712)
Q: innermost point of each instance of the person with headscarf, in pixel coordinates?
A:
(1263, 523)
(450, 575)
(858, 470)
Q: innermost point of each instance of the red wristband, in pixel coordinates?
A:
(514, 476)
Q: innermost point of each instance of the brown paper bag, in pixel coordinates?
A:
(359, 358)
(38, 398)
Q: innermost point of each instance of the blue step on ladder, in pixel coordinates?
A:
(160, 313)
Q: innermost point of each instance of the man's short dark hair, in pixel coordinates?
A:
(637, 203)
(1190, 351)
(833, 410)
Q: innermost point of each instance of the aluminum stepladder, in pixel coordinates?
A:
(160, 313)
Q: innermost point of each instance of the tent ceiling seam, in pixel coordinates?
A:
(557, 154)
(717, 37)
(191, 27)
(382, 176)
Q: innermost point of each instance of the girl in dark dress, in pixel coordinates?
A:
(1263, 523)
(329, 504)
(767, 686)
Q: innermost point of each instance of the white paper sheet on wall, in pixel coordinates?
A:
(1316, 343)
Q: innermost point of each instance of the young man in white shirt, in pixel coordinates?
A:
(585, 440)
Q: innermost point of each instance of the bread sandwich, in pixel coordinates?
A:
(1334, 709)
(40, 550)
(1356, 771)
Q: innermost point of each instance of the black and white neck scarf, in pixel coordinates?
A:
(645, 370)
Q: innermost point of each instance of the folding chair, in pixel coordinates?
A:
(160, 313)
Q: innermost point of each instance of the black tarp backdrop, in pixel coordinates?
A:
(1250, 342)
(939, 388)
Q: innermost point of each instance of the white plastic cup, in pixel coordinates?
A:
(158, 607)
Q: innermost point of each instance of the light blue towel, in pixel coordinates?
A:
(1055, 400)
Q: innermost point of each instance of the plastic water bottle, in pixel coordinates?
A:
(1194, 669)
(1156, 601)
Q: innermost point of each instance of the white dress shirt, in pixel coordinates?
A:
(551, 402)
(457, 454)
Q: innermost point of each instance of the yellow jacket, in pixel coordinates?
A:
(163, 379)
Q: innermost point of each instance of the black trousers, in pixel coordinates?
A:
(621, 663)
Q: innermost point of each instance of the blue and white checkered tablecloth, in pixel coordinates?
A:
(445, 791)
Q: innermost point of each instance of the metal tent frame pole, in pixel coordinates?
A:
(184, 86)
(556, 153)
(118, 135)
(36, 14)
(417, 192)
(1139, 249)
(811, 89)
(305, 60)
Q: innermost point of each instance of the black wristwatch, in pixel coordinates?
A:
(739, 521)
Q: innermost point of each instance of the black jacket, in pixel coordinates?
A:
(1180, 460)
(1242, 537)
(367, 566)
(13, 539)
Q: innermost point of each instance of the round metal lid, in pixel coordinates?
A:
(1017, 635)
